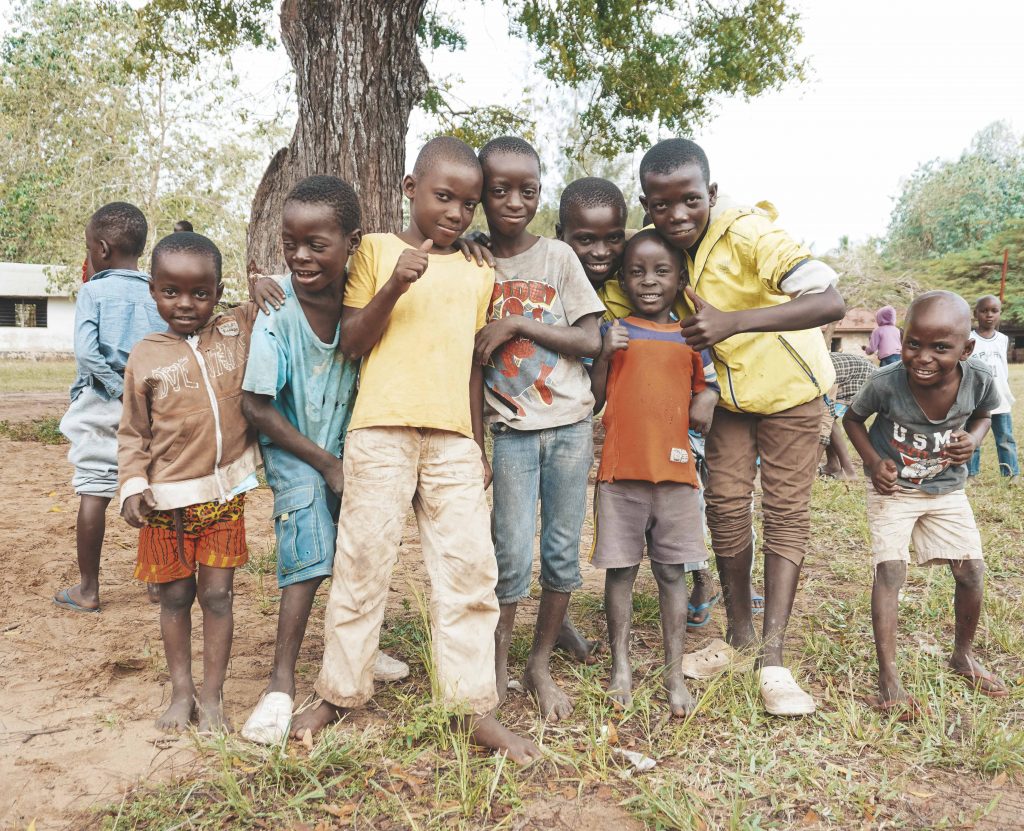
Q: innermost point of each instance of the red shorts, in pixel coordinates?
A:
(214, 536)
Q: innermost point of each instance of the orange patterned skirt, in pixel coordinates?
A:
(213, 535)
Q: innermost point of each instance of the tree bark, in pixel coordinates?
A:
(358, 74)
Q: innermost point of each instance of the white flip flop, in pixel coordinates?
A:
(782, 695)
(709, 661)
(386, 668)
(271, 719)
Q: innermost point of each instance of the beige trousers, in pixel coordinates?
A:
(441, 475)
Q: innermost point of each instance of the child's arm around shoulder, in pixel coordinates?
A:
(364, 319)
(134, 438)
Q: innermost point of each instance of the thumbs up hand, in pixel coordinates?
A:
(411, 265)
(707, 325)
(615, 338)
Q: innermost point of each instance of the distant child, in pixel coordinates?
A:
(298, 392)
(186, 457)
(114, 311)
(852, 372)
(592, 221)
(183, 225)
(992, 346)
(647, 493)
(885, 337)
(544, 318)
(757, 298)
(413, 305)
(931, 412)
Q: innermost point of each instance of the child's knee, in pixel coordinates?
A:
(969, 574)
(216, 600)
(891, 574)
(177, 596)
(667, 575)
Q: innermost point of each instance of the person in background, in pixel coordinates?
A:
(885, 338)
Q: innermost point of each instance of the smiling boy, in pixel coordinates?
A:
(931, 412)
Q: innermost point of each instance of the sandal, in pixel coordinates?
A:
(782, 695)
(695, 619)
(984, 682)
(709, 661)
(905, 710)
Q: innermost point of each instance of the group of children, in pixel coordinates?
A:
(384, 357)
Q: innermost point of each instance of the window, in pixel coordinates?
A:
(837, 345)
(26, 312)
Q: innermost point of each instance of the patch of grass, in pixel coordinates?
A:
(26, 375)
(45, 430)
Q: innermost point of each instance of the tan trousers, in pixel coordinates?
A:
(787, 444)
(441, 475)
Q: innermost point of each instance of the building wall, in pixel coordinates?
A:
(57, 337)
(850, 342)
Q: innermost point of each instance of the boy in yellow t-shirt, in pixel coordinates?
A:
(412, 307)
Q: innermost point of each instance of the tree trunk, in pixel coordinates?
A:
(358, 74)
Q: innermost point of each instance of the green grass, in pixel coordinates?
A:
(399, 765)
(36, 376)
(45, 430)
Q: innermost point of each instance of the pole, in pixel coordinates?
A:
(1002, 281)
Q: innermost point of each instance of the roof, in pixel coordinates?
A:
(29, 280)
(860, 320)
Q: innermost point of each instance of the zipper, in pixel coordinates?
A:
(801, 363)
(732, 392)
(193, 343)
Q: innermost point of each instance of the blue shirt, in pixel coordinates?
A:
(311, 382)
(114, 312)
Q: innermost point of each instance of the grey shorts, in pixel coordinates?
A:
(665, 518)
(90, 424)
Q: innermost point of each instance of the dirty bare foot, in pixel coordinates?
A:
(620, 685)
(571, 641)
(680, 700)
(211, 715)
(178, 715)
(554, 704)
(487, 731)
(974, 673)
(314, 720)
(153, 591)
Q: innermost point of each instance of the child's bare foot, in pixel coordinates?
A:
(211, 715)
(571, 641)
(983, 681)
(620, 686)
(314, 720)
(487, 731)
(554, 704)
(680, 700)
(153, 590)
(178, 715)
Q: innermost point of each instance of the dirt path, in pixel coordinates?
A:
(22, 406)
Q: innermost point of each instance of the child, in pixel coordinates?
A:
(113, 312)
(647, 482)
(544, 317)
(931, 412)
(298, 392)
(412, 307)
(852, 372)
(757, 297)
(991, 346)
(186, 457)
(885, 338)
(592, 221)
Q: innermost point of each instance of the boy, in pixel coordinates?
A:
(298, 393)
(186, 457)
(113, 312)
(931, 411)
(543, 319)
(412, 307)
(647, 482)
(757, 297)
(991, 346)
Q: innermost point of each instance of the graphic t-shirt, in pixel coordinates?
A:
(647, 417)
(312, 384)
(418, 373)
(528, 386)
(993, 352)
(902, 432)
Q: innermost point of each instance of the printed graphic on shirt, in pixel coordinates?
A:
(919, 453)
(520, 368)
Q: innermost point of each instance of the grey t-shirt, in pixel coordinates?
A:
(902, 432)
(529, 387)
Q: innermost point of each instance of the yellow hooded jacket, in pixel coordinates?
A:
(739, 265)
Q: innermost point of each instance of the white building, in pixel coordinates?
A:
(34, 320)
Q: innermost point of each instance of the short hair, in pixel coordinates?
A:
(671, 154)
(985, 297)
(590, 192)
(444, 149)
(122, 226)
(183, 225)
(954, 307)
(508, 144)
(190, 243)
(332, 192)
(650, 234)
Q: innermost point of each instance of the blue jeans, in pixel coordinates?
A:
(890, 359)
(1006, 447)
(552, 465)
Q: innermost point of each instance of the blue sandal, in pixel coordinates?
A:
(65, 602)
(696, 611)
(754, 599)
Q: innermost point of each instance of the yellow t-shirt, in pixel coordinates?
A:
(418, 373)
